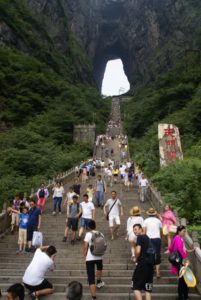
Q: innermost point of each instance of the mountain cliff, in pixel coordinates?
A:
(146, 34)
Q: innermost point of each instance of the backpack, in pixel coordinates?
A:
(41, 193)
(151, 256)
(78, 206)
(98, 243)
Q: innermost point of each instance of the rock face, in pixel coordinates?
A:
(146, 34)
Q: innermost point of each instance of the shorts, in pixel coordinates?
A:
(72, 223)
(143, 277)
(22, 236)
(84, 223)
(157, 246)
(114, 219)
(15, 219)
(126, 183)
(90, 266)
(132, 237)
(45, 284)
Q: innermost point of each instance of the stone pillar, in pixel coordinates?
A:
(169, 144)
(84, 133)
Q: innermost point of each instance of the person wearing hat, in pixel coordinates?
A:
(153, 227)
(135, 218)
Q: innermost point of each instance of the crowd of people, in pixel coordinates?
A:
(145, 234)
(81, 215)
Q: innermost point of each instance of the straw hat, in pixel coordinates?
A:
(135, 211)
(151, 211)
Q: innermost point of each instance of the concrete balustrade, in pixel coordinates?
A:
(156, 200)
(5, 219)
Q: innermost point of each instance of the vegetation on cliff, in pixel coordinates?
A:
(174, 98)
(43, 93)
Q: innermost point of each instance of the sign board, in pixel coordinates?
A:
(169, 144)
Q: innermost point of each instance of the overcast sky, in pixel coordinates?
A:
(115, 81)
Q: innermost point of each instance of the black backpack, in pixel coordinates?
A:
(42, 193)
(150, 255)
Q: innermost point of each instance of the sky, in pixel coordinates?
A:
(115, 81)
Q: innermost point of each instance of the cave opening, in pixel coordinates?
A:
(115, 81)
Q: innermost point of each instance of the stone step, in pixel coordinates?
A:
(75, 266)
(68, 261)
(126, 296)
(116, 296)
(83, 280)
(81, 272)
(110, 288)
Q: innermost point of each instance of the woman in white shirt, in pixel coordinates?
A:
(135, 218)
(58, 192)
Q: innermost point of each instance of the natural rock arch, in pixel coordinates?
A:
(117, 51)
(147, 35)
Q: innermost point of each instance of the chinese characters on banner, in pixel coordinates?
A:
(169, 144)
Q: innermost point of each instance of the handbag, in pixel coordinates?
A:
(37, 240)
(107, 216)
(173, 228)
(165, 230)
(175, 258)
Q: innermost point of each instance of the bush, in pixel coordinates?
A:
(180, 185)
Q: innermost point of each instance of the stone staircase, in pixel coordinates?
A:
(70, 264)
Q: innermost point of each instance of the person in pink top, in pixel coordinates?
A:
(168, 218)
(178, 245)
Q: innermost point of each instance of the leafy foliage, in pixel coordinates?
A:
(44, 92)
(175, 97)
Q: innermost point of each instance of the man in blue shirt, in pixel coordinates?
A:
(34, 222)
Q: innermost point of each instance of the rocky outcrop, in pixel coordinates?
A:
(146, 34)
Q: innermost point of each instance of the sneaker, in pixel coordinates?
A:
(100, 284)
(30, 250)
(33, 296)
(133, 259)
(54, 213)
(27, 250)
(64, 239)
(18, 251)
